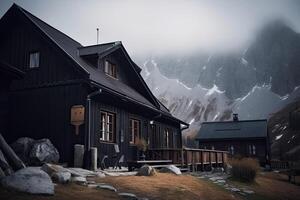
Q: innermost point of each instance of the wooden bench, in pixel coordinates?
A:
(139, 163)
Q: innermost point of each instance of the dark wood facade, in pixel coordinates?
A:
(40, 103)
(251, 147)
(245, 138)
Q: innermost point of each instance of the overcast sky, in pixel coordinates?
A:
(162, 26)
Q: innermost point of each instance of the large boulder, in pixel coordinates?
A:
(22, 148)
(61, 177)
(31, 180)
(52, 168)
(146, 170)
(170, 169)
(43, 151)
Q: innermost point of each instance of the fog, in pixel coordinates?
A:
(169, 26)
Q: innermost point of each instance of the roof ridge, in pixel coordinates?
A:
(102, 44)
(249, 120)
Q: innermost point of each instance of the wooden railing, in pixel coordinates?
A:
(190, 158)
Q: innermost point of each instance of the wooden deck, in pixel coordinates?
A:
(193, 159)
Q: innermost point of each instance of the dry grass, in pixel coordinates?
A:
(271, 186)
(168, 186)
(244, 169)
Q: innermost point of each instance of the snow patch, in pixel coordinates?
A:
(244, 61)
(278, 137)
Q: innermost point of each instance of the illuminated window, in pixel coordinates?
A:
(134, 130)
(107, 127)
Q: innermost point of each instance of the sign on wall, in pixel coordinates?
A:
(77, 117)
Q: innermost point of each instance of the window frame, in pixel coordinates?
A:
(107, 127)
(166, 141)
(31, 53)
(110, 69)
(134, 136)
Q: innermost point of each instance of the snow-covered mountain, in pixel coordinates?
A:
(199, 104)
(192, 105)
(255, 83)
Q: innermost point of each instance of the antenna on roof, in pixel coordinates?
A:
(97, 35)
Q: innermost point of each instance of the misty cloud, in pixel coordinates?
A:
(170, 26)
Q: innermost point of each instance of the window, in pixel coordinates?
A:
(134, 130)
(34, 60)
(252, 150)
(110, 69)
(107, 127)
(231, 150)
(168, 138)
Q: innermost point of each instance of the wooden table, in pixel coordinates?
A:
(139, 163)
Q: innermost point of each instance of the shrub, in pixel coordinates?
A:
(141, 144)
(244, 169)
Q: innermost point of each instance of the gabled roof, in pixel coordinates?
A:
(73, 49)
(233, 130)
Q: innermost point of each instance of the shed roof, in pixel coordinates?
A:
(233, 129)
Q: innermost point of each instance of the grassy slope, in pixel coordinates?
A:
(166, 186)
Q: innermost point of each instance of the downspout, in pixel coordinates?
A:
(88, 105)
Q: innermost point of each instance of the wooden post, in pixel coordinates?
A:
(223, 159)
(11, 156)
(186, 159)
(202, 161)
(182, 159)
(94, 158)
(216, 153)
(78, 155)
(4, 166)
(193, 162)
(210, 164)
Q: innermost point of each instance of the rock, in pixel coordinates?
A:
(52, 168)
(248, 191)
(61, 177)
(170, 169)
(92, 185)
(107, 187)
(235, 189)
(79, 180)
(31, 180)
(91, 182)
(215, 178)
(83, 172)
(228, 169)
(146, 170)
(217, 170)
(42, 152)
(22, 148)
(128, 196)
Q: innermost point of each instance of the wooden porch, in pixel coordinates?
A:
(190, 159)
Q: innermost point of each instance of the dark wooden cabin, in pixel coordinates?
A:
(7, 75)
(101, 81)
(246, 138)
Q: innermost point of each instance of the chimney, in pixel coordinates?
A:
(235, 117)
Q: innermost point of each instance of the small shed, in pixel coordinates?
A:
(246, 138)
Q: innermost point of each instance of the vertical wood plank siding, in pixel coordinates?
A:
(122, 128)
